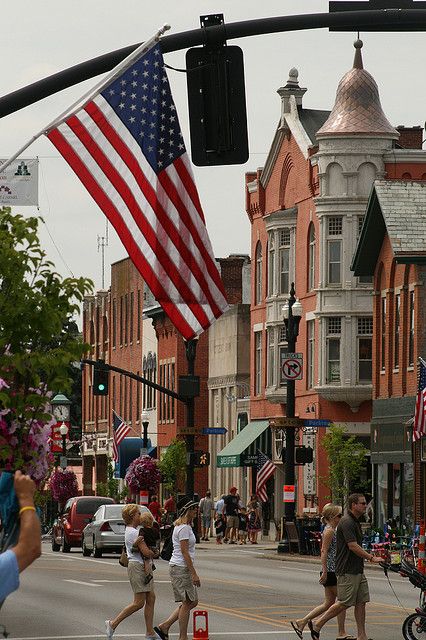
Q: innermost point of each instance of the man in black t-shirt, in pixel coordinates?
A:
(231, 510)
(352, 586)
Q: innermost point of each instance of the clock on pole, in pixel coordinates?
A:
(61, 411)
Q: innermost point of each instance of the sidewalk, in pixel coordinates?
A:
(267, 549)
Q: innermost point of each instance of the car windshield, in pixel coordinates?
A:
(89, 506)
(113, 511)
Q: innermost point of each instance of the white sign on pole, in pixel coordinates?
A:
(292, 366)
(19, 183)
(309, 474)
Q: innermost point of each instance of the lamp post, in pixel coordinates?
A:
(292, 312)
(63, 430)
(145, 423)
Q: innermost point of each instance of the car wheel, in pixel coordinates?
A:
(65, 547)
(86, 551)
(96, 552)
(55, 545)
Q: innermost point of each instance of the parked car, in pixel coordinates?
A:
(105, 532)
(68, 527)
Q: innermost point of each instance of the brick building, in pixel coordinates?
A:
(392, 247)
(306, 207)
(113, 326)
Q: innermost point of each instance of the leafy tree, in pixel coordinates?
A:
(111, 488)
(347, 459)
(38, 341)
(173, 466)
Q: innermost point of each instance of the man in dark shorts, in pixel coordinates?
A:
(231, 510)
(352, 586)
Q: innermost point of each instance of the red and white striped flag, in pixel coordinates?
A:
(126, 147)
(419, 425)
(119, 431)
(265, 469)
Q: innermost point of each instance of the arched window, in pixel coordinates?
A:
(284, 261)
(258, 275)
(366, 176)
(335, 180)
(311, 258)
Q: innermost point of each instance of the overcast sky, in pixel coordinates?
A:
(43, 37)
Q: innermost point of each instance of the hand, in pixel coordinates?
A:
(323, 577)
(196, 580)
(376, 559)
(24, 489)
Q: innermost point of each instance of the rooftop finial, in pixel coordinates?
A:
(358, 57)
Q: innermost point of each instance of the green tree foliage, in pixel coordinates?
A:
(37, 307)
(347, 458)
(173, 466)
(38, 334)
(111, 488)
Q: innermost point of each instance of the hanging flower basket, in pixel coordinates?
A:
(63, 485)
(143, 474)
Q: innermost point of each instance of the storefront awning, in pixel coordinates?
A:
(234, 454)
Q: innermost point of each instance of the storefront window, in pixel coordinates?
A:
(396, 494)
(382, 494)
(408, 501)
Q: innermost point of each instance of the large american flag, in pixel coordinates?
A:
(119, 431)
(419, 425)
(126, 147)
(265, 469)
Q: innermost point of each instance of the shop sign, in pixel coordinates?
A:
(228, 461)
(249, 459)
(288, 493)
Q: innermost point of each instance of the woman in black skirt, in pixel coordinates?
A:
(331, 515)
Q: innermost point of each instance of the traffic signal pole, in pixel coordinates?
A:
(393, 19)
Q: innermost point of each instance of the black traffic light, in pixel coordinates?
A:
(216, 99)
(100, 378)
(304, 455)
(199, 458)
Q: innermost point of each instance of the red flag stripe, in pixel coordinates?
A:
(161, 212)
(178, 318)
(129, 200)
(144, 247)
(186, 212)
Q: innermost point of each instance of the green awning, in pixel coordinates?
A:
(234, 454)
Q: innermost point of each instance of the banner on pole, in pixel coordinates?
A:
(19, 183)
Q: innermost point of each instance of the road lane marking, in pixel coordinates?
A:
(87, 584)
(127, 581)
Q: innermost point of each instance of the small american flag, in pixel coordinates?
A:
(419, 426)
(265, 469)
(126, 147)
(119, 431)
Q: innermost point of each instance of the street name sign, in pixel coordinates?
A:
(316, 423)
(214, 431)
(292, 366)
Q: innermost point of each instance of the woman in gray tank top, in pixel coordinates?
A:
(331, 515)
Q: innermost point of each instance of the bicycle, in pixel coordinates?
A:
(414, 625)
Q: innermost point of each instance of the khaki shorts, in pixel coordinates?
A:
(183, 589)
(232, 522)
(352, 589)
(136, 574)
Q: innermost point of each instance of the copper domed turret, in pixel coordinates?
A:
(357, 109)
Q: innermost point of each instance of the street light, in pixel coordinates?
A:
(63, 430)
(292, 312)
(145, 423)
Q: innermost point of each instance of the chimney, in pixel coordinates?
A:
(410, 137)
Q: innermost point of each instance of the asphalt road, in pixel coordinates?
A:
(67, 597)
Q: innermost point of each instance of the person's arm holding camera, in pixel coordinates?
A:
(28, 547)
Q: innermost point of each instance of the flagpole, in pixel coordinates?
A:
(84, 99)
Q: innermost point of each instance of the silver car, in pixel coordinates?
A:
(105, 531)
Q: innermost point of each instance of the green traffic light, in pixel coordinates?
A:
(101, 387)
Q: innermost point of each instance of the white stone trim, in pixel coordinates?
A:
(259, 326)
